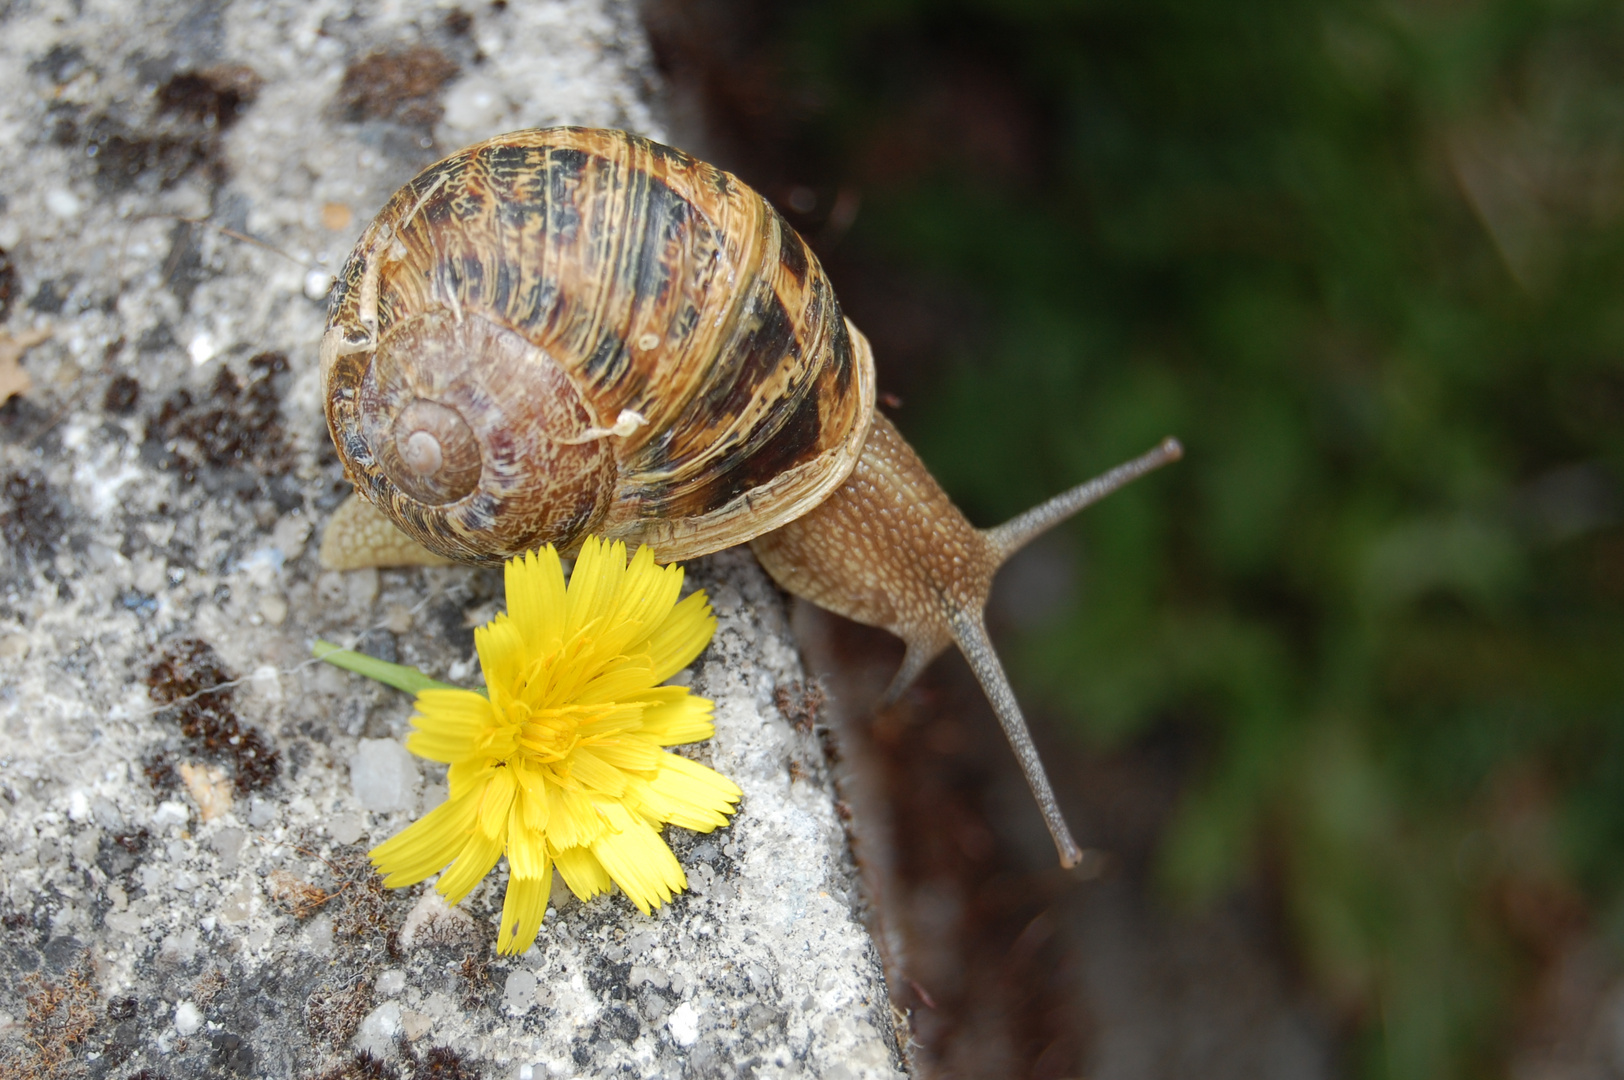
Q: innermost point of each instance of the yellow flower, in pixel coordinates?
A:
(562, 764)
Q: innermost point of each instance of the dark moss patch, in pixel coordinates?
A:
(444, 1063)
(214, 97)
(22, 421)
(333, 1013)
(8, 284)
(458, 22)
(118, 856)
(363, 1066)
(183, 268)
(60, 64)
(31, 522)
(191, 110)
(477, 986)
(122, 395)
(618, 1025)
(801, 702)
(366, 916)
(190, 676)
(123, 157)
(60, 1017)
(401, 86)
(158, 338)
(609, 980)
(234, 426)
(159, 769)
(52, 295)
(232, 1054)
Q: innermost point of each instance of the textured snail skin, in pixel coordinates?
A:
(573, 331)
(887, 549)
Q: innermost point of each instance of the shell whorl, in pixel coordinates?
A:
(631, 278)
(431, 453)
(468, 436)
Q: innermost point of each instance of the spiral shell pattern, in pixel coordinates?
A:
(514, 304)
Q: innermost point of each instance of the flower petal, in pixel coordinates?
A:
(637, 859)
(681, 636)
(448, 723)
(535, 598)
(428, 844)
(526, 848)
(495, 803)
(625, 676)
(475, 860)
(621, 719)
(632, 754)
(698, 797)
(531, 805)
(589, 769)
(684, 718)
(572, 820)
(593, 583)
(645, 596)
(522, 911)
(501, 657)
(581, 871)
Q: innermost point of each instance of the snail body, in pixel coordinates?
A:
(572, 331)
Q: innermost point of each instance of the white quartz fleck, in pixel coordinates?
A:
(683, 1024)
(384, 776)
(188, 1018)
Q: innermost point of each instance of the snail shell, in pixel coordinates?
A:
(571, 331)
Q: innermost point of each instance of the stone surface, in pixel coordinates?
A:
(185, 798)
(384, 776)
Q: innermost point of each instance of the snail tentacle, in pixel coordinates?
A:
(971, 636)
(1022, 529)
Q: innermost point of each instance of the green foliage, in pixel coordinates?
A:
(1367, 261)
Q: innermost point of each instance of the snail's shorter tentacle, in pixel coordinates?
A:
(914, 663)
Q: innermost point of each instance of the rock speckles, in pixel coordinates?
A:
(186, 800)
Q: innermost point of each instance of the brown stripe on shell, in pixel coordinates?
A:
(793, 253)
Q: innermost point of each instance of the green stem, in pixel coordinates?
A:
(400, 676)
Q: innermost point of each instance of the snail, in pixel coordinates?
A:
(570, 331)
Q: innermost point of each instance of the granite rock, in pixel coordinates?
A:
(185, 797)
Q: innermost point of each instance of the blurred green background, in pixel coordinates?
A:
(1366, 261)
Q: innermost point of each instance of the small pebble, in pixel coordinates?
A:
(385, 777)
(377, 1032)
(188, 1019)
(519, 992)
(202, 349)
(683, 1024)
(63, 203)
(346, 828)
